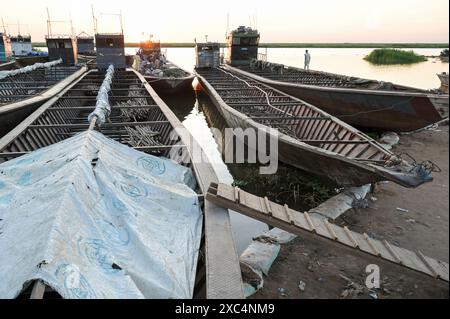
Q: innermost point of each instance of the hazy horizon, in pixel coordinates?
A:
(323, 21)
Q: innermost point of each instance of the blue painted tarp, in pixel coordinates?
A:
(93, 218)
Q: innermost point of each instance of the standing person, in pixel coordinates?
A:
(307, 60)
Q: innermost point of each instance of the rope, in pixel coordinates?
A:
(428, 166)
(102, 106)
(256, 87)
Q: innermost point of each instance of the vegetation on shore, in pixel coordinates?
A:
(444, 55)
(299, 189)
(394, 56)
(304, 45)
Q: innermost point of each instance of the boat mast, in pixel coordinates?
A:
(4, 28)
(115, 14)
(121, 23)
(71, 25)
(94, 19)
(228, 24)
(49, 24)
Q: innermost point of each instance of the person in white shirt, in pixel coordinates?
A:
(307, 60)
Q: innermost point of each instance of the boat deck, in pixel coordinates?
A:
(282, 73)
(68, 116)
(25, 85)
(141, 120)
(299, 120)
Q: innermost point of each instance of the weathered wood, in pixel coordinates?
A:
(314, 228)
(38, 290)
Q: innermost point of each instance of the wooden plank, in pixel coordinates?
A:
(38, 290)
(315, 228)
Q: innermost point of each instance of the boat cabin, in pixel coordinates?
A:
(5, 48)
(149, 48)
(62, 47)
(21, 45)
(110, 50)
(242, 46)
(207, 55)
(85, 43)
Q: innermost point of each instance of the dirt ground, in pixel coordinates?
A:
(421, 224)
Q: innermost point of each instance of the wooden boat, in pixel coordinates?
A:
(171, 80)
(308, 138)
(359, 102)
(22, 93)
(136, 108)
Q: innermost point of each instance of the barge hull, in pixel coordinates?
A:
(339, 169)
(391, 111)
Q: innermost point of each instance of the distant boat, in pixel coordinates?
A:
(5, 48)
(308, 138)
(164, 76)
(85, 44)
(359, 102)
(21, 45)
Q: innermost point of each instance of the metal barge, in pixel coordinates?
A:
(22, 62)
(308, 138)
(164, 76)
(22, 92)
(173, 81)
(359, 102)
(135, 107)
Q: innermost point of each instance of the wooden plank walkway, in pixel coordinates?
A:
(311, 227)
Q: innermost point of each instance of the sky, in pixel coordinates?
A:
(305, 21)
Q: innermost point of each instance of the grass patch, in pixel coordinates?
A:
(394, 56)
(299, 189)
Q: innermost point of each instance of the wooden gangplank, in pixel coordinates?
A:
(315, 228)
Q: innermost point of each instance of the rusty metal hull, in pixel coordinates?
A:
(168, 85)
(344, 164)
(171, 84)
(21, 62)
(399, 111)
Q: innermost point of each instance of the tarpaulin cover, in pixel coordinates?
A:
(93, 218)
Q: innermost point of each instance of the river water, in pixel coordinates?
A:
(191, 110)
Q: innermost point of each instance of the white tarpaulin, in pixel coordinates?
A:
(93, 218)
